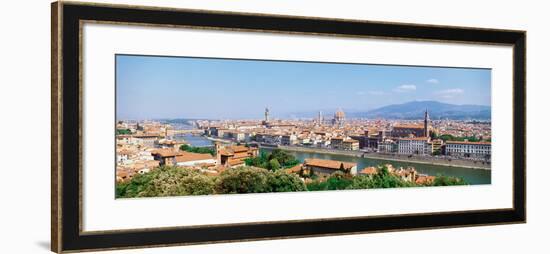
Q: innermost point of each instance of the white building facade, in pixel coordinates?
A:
(414, 146)
(480, 150)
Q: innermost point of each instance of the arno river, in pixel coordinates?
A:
(471, 175)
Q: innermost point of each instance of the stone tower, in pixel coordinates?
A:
(426, 126)
(266, 115)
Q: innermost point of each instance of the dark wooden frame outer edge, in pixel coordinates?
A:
(66, 235)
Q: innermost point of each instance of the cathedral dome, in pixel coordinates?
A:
(339, 115)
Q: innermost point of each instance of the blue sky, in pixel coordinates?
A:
(150, 87)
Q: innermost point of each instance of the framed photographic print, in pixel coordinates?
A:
(177, 126)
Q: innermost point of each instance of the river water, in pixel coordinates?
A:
(194, 140)
(471, 175)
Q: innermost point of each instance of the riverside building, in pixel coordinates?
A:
(479, 150)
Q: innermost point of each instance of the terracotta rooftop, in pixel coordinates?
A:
(231, 150)
(152, 163)
(369, 171)
(330, 164)
(238, 149)
(125, 152)
(187, 156)
(294, 169)
(416, 138)
(425, 179)
(166, 152)
(409, 126)
(468, 143)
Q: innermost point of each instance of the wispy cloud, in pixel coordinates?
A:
(449, 93)
(376, 92)
(372, 92)
(405, 88)
(433, 81)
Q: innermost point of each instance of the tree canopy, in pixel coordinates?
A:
(194, 149)
(284, 182)
(448, 137)
(175, 181)
(382, 179)
(274, 160)
(123, 131)
(166, 181)
(243, 180)
(447, 181)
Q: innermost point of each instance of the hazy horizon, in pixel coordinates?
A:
(152, 87)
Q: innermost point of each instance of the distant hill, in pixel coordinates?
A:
(436, 110)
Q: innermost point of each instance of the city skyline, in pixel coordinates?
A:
(152, 87)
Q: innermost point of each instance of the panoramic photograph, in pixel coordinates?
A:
(213, 126)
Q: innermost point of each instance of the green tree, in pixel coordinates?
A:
(198, 184)
(193, 149)
(123, 132)
(382, 179)
(166, 181)
(281, 181)
(133, 187)
(448, 137)
(447, 181)
(274, 165)
(362, 182)
(317, 185)
(338, 181)
(172, 181)
(286, 159)
(266, 160)
(243, 180)
(256, 161)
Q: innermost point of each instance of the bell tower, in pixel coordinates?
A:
(426, 126)
(266, 115)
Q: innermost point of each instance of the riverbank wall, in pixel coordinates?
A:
(393, 157)
(218, 140)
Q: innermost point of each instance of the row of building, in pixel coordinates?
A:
(137, 156)
(401, 138)
(140, 153)
(325, 168)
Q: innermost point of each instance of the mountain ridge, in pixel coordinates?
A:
(411, 110)
(436, 110)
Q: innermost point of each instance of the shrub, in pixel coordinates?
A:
(243, 180)
(275, 160)
(447, 181)
(281, 181)
(167, 181)
(317, 185)
(336, 181)
(133, 187)
(193, 149)
(274, 165)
